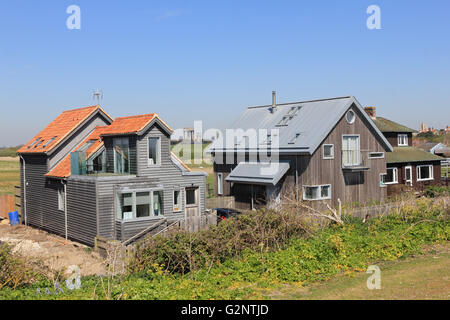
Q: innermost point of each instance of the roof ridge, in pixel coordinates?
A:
(83, 108)
(137, 116)
(295, 102)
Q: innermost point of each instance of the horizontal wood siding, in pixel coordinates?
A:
(42, 196)
(82, 211)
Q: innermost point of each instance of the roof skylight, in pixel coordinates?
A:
(289, 116)
(48, 142)
(34, 142)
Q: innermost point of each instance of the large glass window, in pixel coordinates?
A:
(424, 173)
(121, 155)
(154, 151)
(350, 151)
(140, 204)
(157, 203)
(125, 206)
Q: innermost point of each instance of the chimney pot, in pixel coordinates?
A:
(372, 112)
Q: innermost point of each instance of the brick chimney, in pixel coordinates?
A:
(371, 111)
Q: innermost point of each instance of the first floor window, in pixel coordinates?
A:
(61, 202)
(402, 140)
(121, 155)
(157, 203)
(154, 151)
(142, 204)
(177, 200)
(321, 192)
(424, 172)
(391, 176)
(220, 183)
(126, 206)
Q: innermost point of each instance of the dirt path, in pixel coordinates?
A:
(422, 277)
(55, 252)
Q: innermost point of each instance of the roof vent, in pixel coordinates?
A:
(274, 102)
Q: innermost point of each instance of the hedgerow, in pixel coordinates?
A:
(304, 259)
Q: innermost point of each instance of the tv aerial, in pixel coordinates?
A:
(98, 95)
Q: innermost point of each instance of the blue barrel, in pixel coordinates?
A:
(13, 218)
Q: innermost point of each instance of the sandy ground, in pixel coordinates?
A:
(53, 251)
(9, 158)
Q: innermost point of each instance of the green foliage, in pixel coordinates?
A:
(436, 191)
(9, 152)
(13, 272)
(241, 269)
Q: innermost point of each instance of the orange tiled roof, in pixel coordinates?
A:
(58, 129)
(62, 169)
(133, 124)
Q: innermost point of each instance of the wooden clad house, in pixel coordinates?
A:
(406, 165)
(323, 150)
(87, 175)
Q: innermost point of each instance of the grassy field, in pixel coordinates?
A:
(423, 277)
(9, 174)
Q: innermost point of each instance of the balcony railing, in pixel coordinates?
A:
(355, 160)
(80, 166)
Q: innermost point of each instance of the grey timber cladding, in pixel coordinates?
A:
(42, 196)
(75, 139)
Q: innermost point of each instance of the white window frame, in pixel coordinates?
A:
(353, 117)
(61, 202)
(430, 171)
(394, 175)
(180, 201)
(220, 183)
(402, 140)
(158, 152)
(382, 183)
(133, 196)
(332, 152)
(320, 198)
(373, 155)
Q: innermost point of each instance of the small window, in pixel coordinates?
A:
(176, 200)
(154, 151)
(424, 173)
(294, 139)
(125, 206)
(376, 155)
(350, 117)
(322, 192)
(328, 151)
(402, 140)
(38, 144)
(391, 176)
(33, 143)
(61, 200)
(48, 142)
(220, 183)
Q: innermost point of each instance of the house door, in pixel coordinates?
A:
(350, 150)
(192, 202)
(408, 175)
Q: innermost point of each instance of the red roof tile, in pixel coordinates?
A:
(62, 169)
(58, 130)
(126, 125)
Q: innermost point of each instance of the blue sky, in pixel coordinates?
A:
(208, 60)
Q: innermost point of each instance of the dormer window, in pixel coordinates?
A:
(402, 140)
(154, 151)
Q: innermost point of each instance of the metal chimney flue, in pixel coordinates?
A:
(274, 101)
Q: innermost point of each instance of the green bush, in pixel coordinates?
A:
(436, 191)
(13, 271)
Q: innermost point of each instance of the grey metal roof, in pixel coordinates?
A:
(311, 124)
(258, 173)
